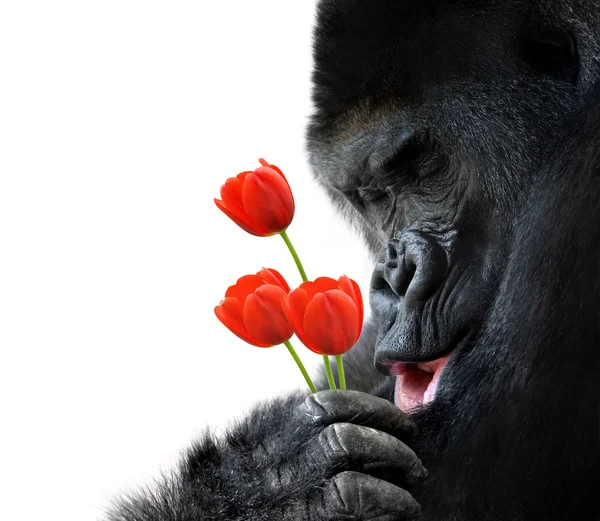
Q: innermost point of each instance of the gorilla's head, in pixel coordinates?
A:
(431, 118)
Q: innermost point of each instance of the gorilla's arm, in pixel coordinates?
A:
(333, 455)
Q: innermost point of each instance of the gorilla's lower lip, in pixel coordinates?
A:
(416, 384)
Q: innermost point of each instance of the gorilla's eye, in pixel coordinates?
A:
(553, 53)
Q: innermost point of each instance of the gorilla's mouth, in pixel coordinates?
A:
(417, 383)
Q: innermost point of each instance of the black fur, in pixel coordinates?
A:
(462, 138)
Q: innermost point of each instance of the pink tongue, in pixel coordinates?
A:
(417, 383)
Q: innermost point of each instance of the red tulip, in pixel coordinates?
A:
(326, 314)
(259, 202)
(253, 310)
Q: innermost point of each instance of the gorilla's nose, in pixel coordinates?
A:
(412, 267)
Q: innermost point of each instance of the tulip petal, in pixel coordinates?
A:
(233, 308)
(268, 200)
(276, 168)
(271, 276)
(264, 317)
(330, 323)
(229, 312)
(244, 286)
(351, 288)
(240, 220)
(319, 285)
(294, 306)
(231, 194)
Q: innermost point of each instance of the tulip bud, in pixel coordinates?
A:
(326, 314)
(252, 309)
(259, 202)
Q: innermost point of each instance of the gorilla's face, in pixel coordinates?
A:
(430, 119)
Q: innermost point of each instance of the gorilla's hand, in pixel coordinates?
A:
(334, 455)
(357, 458)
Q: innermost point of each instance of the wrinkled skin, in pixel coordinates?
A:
(462, 138)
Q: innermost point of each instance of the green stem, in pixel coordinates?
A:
(342, 375)
(290, 246)
(295, 255)
(329, 373)
(300, 366)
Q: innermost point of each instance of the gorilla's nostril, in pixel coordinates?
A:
(392, 271)
(398, 270)
(413, 266)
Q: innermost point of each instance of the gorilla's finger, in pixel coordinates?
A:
(359, 497)
(327, 407)
(344, 446)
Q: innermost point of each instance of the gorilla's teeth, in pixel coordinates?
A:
(427, 367)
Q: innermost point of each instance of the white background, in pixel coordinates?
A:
(119, 121)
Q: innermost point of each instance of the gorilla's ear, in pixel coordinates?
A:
(552, 52)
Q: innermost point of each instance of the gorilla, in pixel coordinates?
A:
(462, 139)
